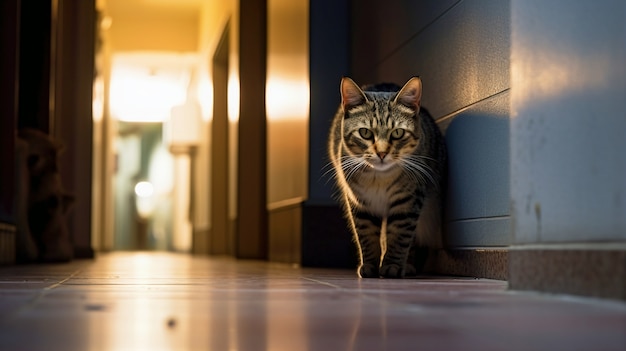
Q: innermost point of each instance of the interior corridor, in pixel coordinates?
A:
(167, 301)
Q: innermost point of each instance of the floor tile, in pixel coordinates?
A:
(165, 301)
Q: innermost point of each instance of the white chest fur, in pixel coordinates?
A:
(374, 191)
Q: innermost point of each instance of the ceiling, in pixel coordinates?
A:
(171, 7)
(154, 46)
(153, 25)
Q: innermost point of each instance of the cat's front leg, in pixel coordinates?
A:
(400, 236)
(367, 234)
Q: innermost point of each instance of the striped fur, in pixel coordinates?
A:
(388, 157)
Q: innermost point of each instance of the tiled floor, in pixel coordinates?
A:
(158, 301)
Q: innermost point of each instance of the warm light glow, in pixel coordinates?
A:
(233, 98)
(145, 87)
(205, 98)
(129, 330)
(106, 22)
(287, 98)
(144, 201)
(97, 104)
(137, 97)
(553, 74)
(144, 189)
(159, 172)
(182, 129)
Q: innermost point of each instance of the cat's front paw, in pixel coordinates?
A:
(410, 270)
(368, 271)
(392, 271)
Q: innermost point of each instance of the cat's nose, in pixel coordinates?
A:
(381, 155)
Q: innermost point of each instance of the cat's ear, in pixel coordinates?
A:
(411, 94)
(351, 94)
(33, 161)
(60, 148)
(67, 201)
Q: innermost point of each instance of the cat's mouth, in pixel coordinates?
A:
(382, 165)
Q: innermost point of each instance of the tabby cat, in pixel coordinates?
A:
(48, 203)
(389, 160)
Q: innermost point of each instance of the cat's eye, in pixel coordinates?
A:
(397, 133)
(366, 133)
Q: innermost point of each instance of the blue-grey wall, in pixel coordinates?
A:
(326, 241)
(568, 134)
(329, 38)
(461, 51)
(568, 147)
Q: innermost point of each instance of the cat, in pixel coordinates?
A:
(389, 163)
(25, 247)
(47, 202)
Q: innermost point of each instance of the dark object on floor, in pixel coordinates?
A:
(48, 204)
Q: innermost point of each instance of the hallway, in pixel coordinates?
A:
(165, 301)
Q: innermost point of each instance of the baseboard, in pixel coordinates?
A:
(84, 252)
(7, 243)
(326, 239)
(200, 241)
(487, 262)
(327, 242)
(586, 270)
(285, 230)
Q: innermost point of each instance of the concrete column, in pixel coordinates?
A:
(568, 146)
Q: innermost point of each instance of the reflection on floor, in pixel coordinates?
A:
(159, 301)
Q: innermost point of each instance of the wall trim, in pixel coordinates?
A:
(283, 204)
(8, 233)
(486, 231)
(479, 262)
(285, 230)
(327, 242)
(594, 270)
(84, 252)
(326, 239)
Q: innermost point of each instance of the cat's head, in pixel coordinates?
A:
(381, 127)
(43, 151)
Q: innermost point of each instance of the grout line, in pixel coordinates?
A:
(362, 294)
(420, 31)
(323, 283)
(581, 245)
(480, 218)
(7, 317)
(57, 284)
(444, 118)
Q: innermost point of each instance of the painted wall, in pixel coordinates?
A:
(246, 131)
(159, 27)
(329, 60)
(460, 49)
(214, 18)
(287, 99)
(326, 241)
(10, 190)
(287, 108)
(568, 159)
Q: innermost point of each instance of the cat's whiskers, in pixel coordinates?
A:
(417, 169)
(329, 169)
(352, 165)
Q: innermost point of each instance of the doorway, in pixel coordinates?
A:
(221, 238)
